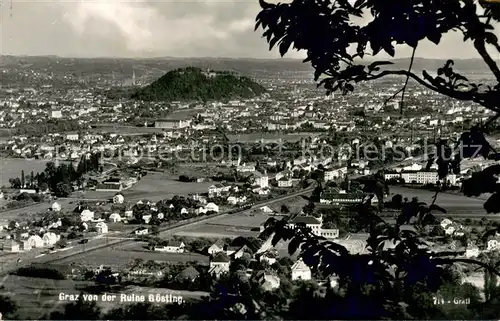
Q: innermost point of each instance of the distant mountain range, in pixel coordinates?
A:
(245, 66)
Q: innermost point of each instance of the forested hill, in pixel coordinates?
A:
(195, 84)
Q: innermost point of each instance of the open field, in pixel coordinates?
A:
(154, 187)
(228, 226)
(119, 258)
(12, 167)
(14, 214)
(448, 201)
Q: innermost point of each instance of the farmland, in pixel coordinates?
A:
(228, 226)
(448, 201)
(155, 187)
(119, 258)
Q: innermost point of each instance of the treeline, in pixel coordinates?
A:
(51, 126)
(192, 84)
(40, 272)
(59, 179)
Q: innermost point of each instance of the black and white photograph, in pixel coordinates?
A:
(249, 160)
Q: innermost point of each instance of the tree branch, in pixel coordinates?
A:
(483, 99)
(481, 49)
(407, 78)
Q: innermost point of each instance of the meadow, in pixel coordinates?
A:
(158, 186)
(154, 187)
(446, 200)
(121, 257)
(232, 226)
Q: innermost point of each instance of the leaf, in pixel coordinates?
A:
(273, 42)
(294, 244)
(491, 38)
(284, 46)
(435, 37)
(264, 5)
(492, 205)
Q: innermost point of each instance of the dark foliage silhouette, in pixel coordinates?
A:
(388, 279)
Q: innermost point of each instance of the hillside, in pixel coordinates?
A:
(194, 84)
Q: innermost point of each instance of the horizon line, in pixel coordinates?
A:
(205, 57)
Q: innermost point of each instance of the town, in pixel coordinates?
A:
(145, 196)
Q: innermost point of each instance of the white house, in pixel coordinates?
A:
(236, 251)
(102, 228)
(492, 245)
(332, 174)
(56, 114)
(10, 246)
(56, 207)
(212, 207)
(472, 251)
(35, 241)
(266, 209)
(261, 180)
(269, 281)
(118, 199)
(300, 271)
(172, 247)
(233, 200)
(50, 239)
(219, 265)
(330, 233)
(218, 189)
(215, 248)
(285, 182)
(115, 217)
(269, 257)
(309, 222)
(86, 215)
(142, 231)
(286, 174)
(246, 168)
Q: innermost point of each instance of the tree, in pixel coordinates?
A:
(15, 183)
(314, 26)
(62, 189)
(7, 306)
(23, 182)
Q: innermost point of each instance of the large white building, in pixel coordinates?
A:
(261, 180)
(421, 177)
(332, 174)
(172, 123)
(56, 114)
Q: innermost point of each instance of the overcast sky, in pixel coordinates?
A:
(135, 28)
